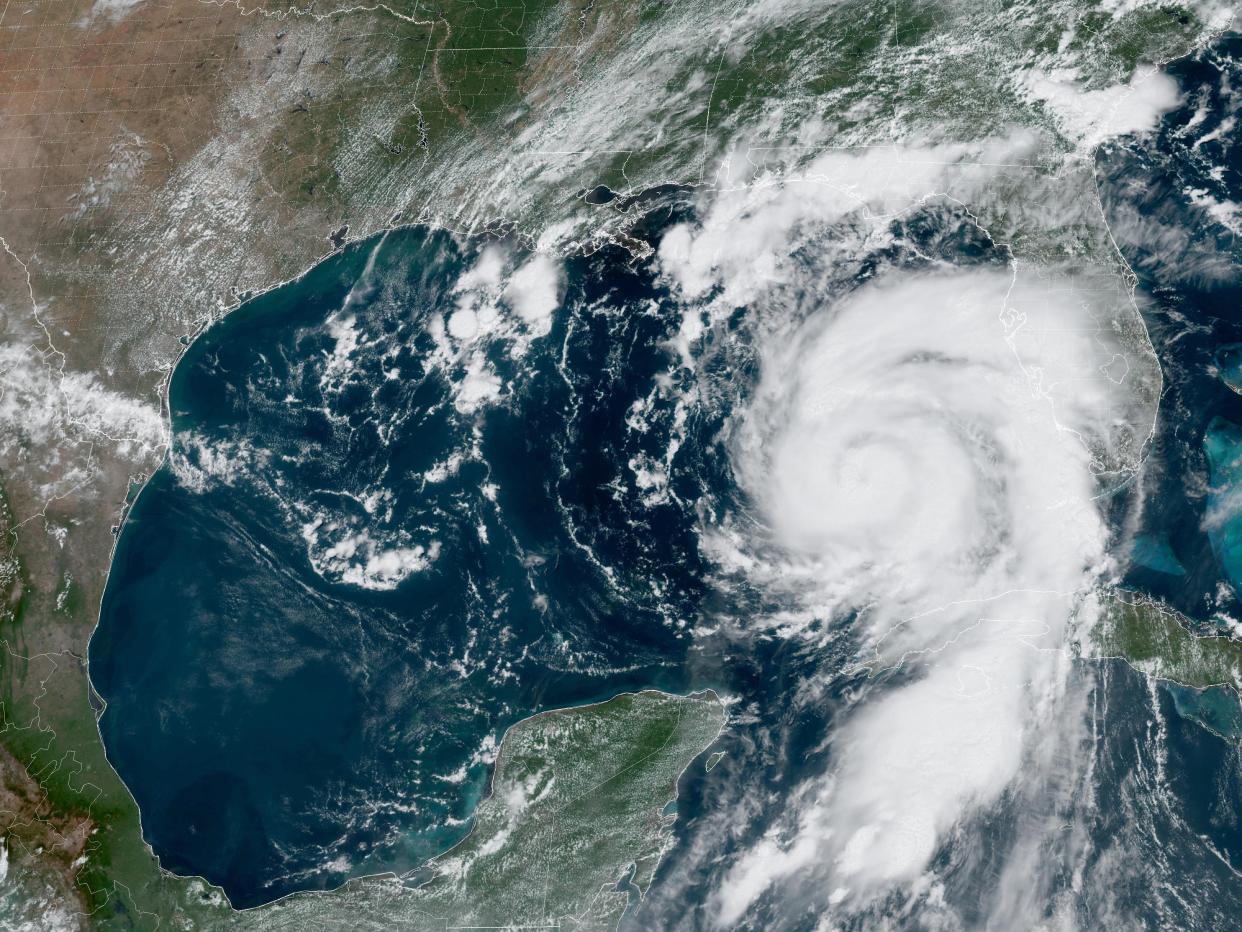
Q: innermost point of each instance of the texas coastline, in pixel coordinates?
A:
(352, 256)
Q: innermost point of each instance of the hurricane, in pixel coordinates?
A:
(913, 473)
(827, 442)
(924, 467)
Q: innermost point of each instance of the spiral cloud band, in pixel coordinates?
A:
(925, 456)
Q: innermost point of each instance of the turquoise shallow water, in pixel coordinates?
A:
(1217, 709)
(1222, 442)
(1229, 364)
(345, 584)
(348, 580)
(1155, 552)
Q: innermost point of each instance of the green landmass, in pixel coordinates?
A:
(462, 114)
(1156, 640)
(574, 821)
(1201, 670)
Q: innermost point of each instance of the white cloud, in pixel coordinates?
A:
(744, 242)
(1090, 117)
(479, 386)
(923, 457)
(68, 414)
(200, 462)
(463, 324)
(533, 292)
(109, 10)
(340, 552)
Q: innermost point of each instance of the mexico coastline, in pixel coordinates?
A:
(226, 728)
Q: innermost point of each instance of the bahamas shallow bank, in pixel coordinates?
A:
(861, 382)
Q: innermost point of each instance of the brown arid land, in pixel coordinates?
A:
(160, 160)
(157, 161)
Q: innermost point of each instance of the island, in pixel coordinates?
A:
(1156, 640)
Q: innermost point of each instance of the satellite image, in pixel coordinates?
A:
(620, 465)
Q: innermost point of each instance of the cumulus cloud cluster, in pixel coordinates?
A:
(922, 459)
(499, 300)
(341, 551)
(915, 480)
(68, 413)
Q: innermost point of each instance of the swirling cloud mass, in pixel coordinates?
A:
(916, 477)
(922, 461)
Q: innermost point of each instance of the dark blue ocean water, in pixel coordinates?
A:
(1154, 822)
(1191, 292)
(1175, 773)
(284, 727)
